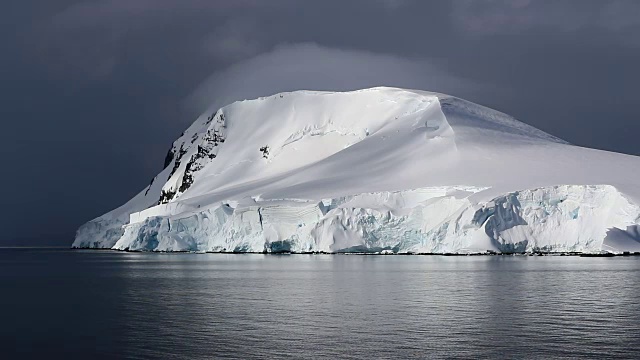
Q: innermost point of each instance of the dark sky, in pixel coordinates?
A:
(94, 92)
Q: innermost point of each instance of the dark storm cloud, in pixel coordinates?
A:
(95, 91)
(493, 17)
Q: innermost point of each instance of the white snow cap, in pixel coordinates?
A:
(376, 170)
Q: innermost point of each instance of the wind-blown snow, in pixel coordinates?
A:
(380, 169)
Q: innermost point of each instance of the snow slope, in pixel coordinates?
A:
(381, 169)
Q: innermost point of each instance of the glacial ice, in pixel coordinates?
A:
(377, 170)
(538, 220)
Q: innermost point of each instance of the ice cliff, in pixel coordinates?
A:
(380, 169)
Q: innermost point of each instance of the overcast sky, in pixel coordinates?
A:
(94, 92)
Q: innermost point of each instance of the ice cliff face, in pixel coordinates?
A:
(373, 170)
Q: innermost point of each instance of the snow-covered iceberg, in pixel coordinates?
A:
(376, 170)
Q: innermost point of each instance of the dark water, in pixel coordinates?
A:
(92, 304)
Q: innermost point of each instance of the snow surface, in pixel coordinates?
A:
(376, 170)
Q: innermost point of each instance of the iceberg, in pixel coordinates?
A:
(381, 170)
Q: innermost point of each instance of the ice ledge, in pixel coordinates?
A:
(566, 218)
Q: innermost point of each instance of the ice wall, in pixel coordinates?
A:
(567, 218)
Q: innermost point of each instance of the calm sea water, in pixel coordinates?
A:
(103, 304)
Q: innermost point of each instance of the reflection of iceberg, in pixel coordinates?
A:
(376, 170)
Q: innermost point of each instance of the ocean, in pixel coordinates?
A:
(83, 304)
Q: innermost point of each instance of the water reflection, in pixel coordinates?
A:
(256, 306)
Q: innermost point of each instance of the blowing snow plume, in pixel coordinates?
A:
(312, 67)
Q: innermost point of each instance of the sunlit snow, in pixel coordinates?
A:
(376, 170)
